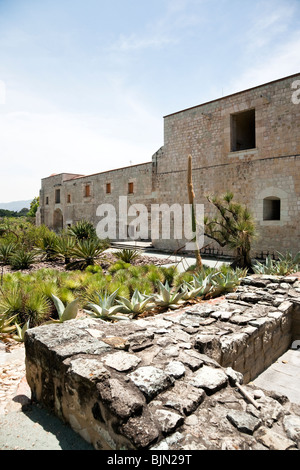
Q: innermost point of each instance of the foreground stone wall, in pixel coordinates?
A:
(172, 381)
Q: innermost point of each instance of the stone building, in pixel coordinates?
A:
(248, 143)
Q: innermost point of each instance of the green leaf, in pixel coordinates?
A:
(71, 311)
(59, 305)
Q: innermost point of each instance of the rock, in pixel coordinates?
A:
(234, 376)
(209, 379)
(151, 380)
(272, 440)
(175, 369)
(168, 420)
(243, 421)
(121, 361)
(183, 397)
(122, 399)
(292, 427)
(141, 430)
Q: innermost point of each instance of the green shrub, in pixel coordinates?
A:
(22, 259)
(128, 255)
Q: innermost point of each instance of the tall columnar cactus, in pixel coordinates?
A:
(194, 222)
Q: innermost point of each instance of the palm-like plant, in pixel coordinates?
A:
(6, 252)
(128, 255)
(234, 228)
(86, 253)
(138, 304)
(22, 259)
(83, 230)
(64, 246)
(106, 309)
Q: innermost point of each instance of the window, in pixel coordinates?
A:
(57, 196)
(69, 198)
(108, 188)
(87, 190)
(243, 131)
(47, 201)
(130, 188)
(272, 208)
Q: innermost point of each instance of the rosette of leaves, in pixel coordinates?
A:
(65, 313)
(86, 253)
(106, 309)
(137, 305)
(166, 297)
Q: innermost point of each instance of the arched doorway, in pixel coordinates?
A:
(58, 220)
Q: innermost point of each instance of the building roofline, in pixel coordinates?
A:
(233, 94)
(100, 173)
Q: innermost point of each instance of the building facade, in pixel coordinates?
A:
(247, 143)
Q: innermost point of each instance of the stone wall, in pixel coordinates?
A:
(173, 381)
(270, 169)
(76, 205)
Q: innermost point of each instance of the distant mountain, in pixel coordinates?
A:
(15, 205)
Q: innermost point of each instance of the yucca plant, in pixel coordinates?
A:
(63, 247)
(128, 255)
(106, 308)
(83, 230)
(168, 297)
(86, 253)
(22, 259)
(65, 313)
(46, 247)
(6, 252)
(138, 304)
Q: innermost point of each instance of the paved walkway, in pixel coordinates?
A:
(283, 376)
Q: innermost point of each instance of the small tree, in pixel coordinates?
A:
(33, 207)
(234, 227)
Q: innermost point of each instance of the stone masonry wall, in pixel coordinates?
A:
(173, 381)
(270, 169)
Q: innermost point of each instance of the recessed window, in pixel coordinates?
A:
(243, 136)
(87, 190)
(69, 198)
(47, 201)
(108, 188)
(130, 188)
(57, 196)
(272, 208)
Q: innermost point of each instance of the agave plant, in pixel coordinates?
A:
(199, 287)
(65, 313)
(106, 309)
(6, 326)
(286, 264)
(20, 336)
(168, 297)
(138, 304)
(224, 283)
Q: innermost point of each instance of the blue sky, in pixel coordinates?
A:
(84, 84)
